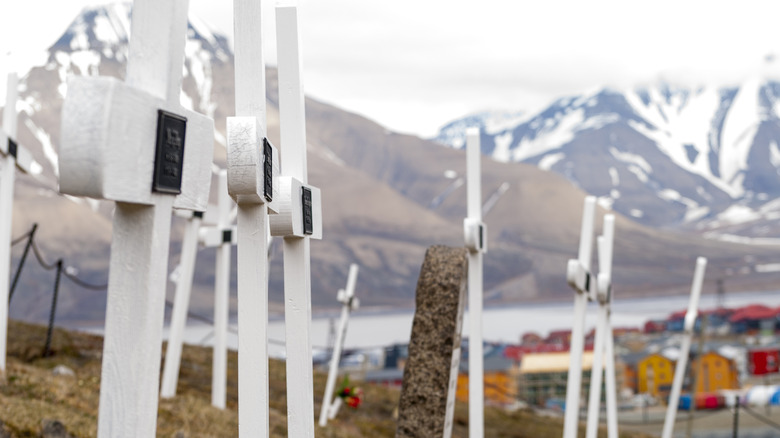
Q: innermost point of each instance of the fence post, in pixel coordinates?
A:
(53, 309)
(21, 262)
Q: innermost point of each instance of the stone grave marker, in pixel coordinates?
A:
(427, 402)
(132, 142)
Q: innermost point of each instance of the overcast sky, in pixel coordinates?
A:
(413, 65)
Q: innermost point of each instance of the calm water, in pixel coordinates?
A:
(368, 329)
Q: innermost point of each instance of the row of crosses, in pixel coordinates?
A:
(133, 143)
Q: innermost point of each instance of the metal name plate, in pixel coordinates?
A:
(12, 148)
(197, 214)
(481, 237)
(227, 236)
(169, 155)
(308, 221)
(268, 171)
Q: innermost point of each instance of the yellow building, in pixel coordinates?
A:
(715, 372)
(500, 381)
(655, 374)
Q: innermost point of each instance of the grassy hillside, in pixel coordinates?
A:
(31, 394)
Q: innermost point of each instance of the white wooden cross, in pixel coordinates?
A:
(602, 347)
(299, 220)
(181, 302)
(579, 277)
(349, 303)
(221, 234)
(685, 348)
(129, 142)
(12, 156)
(475, 237)
(253, 184)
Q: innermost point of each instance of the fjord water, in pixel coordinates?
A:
(372, 328)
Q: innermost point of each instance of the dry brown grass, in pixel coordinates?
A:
(30, 393)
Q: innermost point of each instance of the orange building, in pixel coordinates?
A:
(500, 381)
(655, 374)
(715, 372)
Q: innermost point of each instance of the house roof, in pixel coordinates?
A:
(753, 312)
(534, 363)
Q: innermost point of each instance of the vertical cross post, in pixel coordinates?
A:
(682, 362)
(580, 279)
(181, 302)
(253, 184)
(298, 221)
(475, 237)
(225, 240)
(349, 303)
(603, 327)
(12, 156)
(133, 143)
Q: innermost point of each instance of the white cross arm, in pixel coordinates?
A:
(100, 113)
(352, 301)
(300, 210)
(208, 217)
(578, 277)
(475, 235)
(248, 153)
(605, 245)
(212, 236)
(22, 156)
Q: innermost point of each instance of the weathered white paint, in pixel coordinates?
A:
(221, 296)
(603, 326)
(349, 303)
(297, 257)
(108, 151)
(245, 184)
(7, 176)
(181, 303)
(578, 276)
(682, 361)
(475, 237)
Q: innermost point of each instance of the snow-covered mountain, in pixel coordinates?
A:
(666, 155)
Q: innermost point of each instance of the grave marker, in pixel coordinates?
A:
(299, 219)
(349, 303)
(427, 401)
(127, 142)
(475, 237)
(603, 336)
(218, 234)
(12, 156)
(181, 302)
(682, 361)
(253, 184)
(580, 279)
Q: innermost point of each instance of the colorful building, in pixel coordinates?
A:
(543, 376)
(654, 375)
(714, 372)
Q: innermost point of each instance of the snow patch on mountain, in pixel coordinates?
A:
(554, 134)
(548, 161)
(739, 131)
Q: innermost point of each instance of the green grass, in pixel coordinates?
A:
(30, 394)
